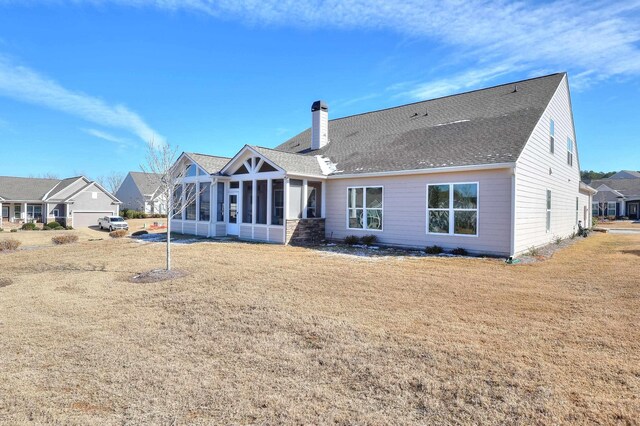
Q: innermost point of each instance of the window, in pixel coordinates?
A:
(611, 208)
(34, 212)
(261, 202)
(234, 185)
(277, 201)
(569, 152)
(94, 195)
(365, 208)
(577, 208)
(247, 201)
(205, 202)
(452, 209)
(266, 167)
(177, 200)
(595, 207)
(190, 170)
(220, 203)
(190, 201)
(311, 202)
(17, 211)
(242, 170)
(548, 210)
(56, 213)
(552, 131)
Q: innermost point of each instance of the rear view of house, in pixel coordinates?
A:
(494, 171)
(75, 201)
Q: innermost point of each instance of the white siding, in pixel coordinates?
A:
(405, 210)
(533, 178)
(260, 233)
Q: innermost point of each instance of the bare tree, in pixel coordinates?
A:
(160, 161)
(47, 175)
(112, 181)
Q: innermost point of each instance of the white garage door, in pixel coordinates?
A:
(86, 219)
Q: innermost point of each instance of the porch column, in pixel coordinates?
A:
(323, 199)
(305, 197)
(23, 212)
(269, 201)
(254, 200)
(285, 214)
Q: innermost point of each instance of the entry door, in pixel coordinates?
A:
(632, 213)
(5, 212)
(232, 224)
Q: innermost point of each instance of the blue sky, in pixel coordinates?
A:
(84, 85)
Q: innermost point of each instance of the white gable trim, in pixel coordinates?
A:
(97, 185)
(232, 163)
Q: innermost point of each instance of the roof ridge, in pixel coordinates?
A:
(451, 95)
(279, 150)
(208, 155)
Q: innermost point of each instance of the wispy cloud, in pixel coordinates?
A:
(594, 39)
(26, 85)
(106, 136)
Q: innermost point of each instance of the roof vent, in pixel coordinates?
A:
(515, 88)
(426, 112)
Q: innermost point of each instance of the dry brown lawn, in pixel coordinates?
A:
(619, 224)
(271, 334)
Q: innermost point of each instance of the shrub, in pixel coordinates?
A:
(29, 226)
(64, 239)
(1, 230)
(368, 240)
(53, 225)
(7, 245)
(132, 214)
(459, 251)
(533, 251)
(138, 233)
(14, 230)
(351, 240)
(434, 249)
(557, 240)
(118, 234)
(69, 228)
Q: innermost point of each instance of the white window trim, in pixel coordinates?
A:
(364, 208)
(451, 210)
(548, 205)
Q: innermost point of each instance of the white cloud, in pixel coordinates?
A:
(106, 136)
(23, 84)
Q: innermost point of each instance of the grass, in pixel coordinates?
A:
(618, 224)
(273, 334)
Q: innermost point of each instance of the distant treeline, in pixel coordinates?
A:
(589, 175)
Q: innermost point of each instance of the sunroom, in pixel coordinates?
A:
(260, 194)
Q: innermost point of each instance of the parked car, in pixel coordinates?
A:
(112, 223)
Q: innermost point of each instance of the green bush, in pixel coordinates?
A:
(69, 228)
(138, 233)
(459, 251)
(369, 240)
(132, 214)
(64, 239)
(7, 245)
(53, 225)
(351, 240)
(29, 227)
(14, 230)
(434, 249)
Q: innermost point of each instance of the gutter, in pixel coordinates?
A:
(428, 171)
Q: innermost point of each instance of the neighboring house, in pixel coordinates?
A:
(618, 195)
(75, 201)
(494, 171)
(139, 191)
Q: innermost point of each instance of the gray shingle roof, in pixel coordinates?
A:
(147, 183)
(485, 126)
(291, 162)
(626, 174)
(61, 186)
(628, 187)
(25, 189)
(210, 163)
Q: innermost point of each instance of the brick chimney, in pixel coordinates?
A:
(319, 125)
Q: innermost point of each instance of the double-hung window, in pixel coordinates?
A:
(611, 208)
(595, 209)
(548, 210)
(577, 208)
(552, 131)
(364, 208)
(569, 152)
(452, 209)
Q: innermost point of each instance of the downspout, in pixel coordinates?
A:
(512, 249)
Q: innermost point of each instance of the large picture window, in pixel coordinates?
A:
(190, 201)
(365, 207)
(205, 202)
(452, 209)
